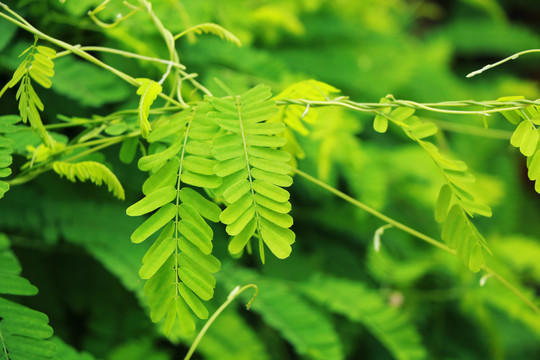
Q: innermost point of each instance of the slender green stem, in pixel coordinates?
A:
(92, 14)
(169, 41)
(78, 123)
(112, 140)
(24, 177)
(77, 51)
(123, 53)
(415, 233)
(511, 57)
(180, 67)
(233, 295)
(512, 288)
(491, 106)
(374, 212)
(177, 204)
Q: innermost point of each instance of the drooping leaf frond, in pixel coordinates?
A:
(6, 149)
(179, 265)
(455, 203)
(211, 28)
(254, 172)
(90, 170)
(24, 333)
(37, 65)
(358, 303)
(308, 330)
(294, 116)
(149, 91)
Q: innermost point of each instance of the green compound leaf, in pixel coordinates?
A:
(366, 306)
(25, 333)
(90, 170)
(179, 265)
(38, 66)
(251, 212)
(458, 231)
(149, 91)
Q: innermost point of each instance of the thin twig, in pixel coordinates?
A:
(415, 233)
(511, 57)
(491, 106)
(233, 295)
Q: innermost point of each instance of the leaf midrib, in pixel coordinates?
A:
(248, 168)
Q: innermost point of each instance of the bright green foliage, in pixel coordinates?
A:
(455, 203)
(6, 149)
(254, 172)
(37, 65)
(90, 170)
(294, 116)
(149, 91)
(179, 265)
(95, 284)
(24, 333)
(308, 330)
(355, 301)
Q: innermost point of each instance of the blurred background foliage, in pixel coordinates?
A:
(333, 298)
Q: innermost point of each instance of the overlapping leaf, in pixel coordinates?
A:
(179, 265)
(25, 333)
(254, 172)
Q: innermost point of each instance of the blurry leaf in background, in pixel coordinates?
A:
(88, 84)
(309, 331)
